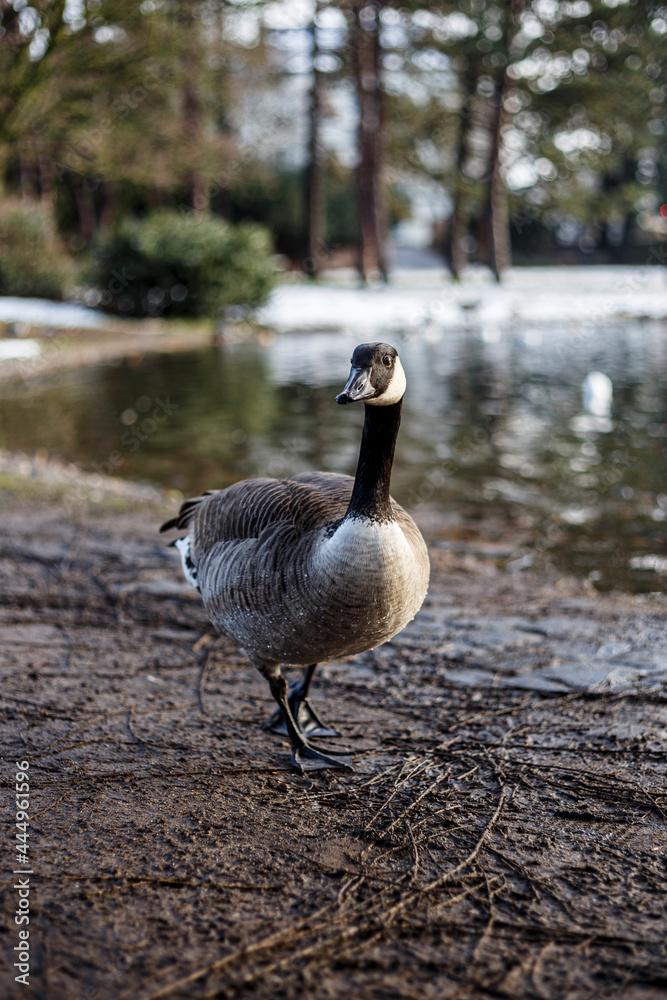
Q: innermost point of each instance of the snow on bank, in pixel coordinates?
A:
(12, 350)
(416, 298)
(527, 295)
(42, 312)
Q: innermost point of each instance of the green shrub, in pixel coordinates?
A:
(181, 264)
(33, 262)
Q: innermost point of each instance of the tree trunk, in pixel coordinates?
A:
(190, 57)
(47, 192)
(458, 225)
(26, 179)
(495, 222)
(315, 205)
(192, 131)
(459, 230)
(85, 209)
(501, 242)
(109, 205)
(366, 45)
(495, 219)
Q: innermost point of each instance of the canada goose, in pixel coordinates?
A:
(315, 567)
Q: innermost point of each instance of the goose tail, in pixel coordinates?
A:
(186, 513)
(184, 518)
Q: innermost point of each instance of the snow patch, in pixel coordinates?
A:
(42, 312)
(417, 300)
(12, 349)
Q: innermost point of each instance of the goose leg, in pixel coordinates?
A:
(303, 713)
(305, 757)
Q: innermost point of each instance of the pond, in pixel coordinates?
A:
(565, 431)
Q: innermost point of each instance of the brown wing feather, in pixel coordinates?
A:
(246, 509)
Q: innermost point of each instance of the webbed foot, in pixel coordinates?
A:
(292, 704)
(307, 758)
(305, 716)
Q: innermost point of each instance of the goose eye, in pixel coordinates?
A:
(387, 361)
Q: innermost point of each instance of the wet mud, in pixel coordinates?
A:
(504, 833)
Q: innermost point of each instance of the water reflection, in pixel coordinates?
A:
(563, 431)
(598, 393)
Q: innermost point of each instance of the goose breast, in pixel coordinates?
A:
(304, 589)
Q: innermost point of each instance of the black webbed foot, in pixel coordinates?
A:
(308, 758)
(305, 716)
(293, 705)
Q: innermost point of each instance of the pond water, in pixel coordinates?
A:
(495, 423)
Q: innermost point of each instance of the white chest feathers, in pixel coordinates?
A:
(374, 556)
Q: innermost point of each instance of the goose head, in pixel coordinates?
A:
(376, 378)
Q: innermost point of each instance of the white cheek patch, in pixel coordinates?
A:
(395, 390)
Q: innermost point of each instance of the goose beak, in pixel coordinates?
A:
(358, 387)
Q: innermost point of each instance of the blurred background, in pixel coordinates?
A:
(530, 130)
(205, 205)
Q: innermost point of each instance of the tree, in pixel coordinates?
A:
(494, 221)
(549, 112)
(28, 38)
(366, 47)
(559, 102)
(315, 206)
(591, 117)
(128, 115)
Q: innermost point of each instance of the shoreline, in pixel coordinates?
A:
(70, 350)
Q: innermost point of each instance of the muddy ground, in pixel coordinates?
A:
(503, 835)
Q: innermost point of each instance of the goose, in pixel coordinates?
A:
(312, 568)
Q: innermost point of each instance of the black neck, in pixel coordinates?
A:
(370, 496)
